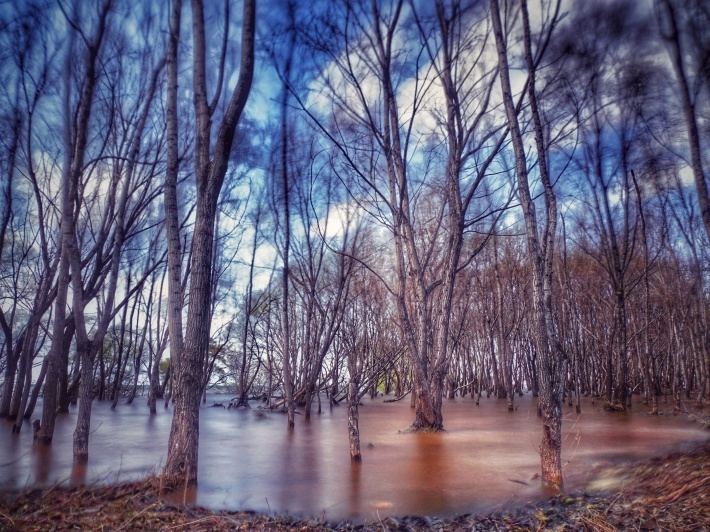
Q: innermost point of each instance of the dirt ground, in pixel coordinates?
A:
(669, 493)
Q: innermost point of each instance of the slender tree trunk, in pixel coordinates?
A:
(86, 396)
(37, 388)
(286, 206)
(353, 417)
(12, 357)
(181, 463)
(139, 349)
(12, 351)
(622, 360)
(540, 254)
(64, 393)
(154, 391)
(676, 53)
(54, 358)
(29, 354)
(122, 359)
(172, 224)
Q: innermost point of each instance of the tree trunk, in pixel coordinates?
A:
(154, 391)
(123, 359)
(540, 255)
(353, 416)
(70, 261)
(622, 363)
(64, 395)
(49, 404)
(285, 186)
(688, 107)
(19, 387)
(181, 463)
(141, 345)
(25, 392)
(28, 354)
(86, 396)
(11, 360)
(37, 387)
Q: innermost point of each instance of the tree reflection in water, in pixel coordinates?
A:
(249, 461)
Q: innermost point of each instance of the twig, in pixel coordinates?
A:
(694, 416)
(501, 505)
(536, 447)
(572, 428)
(12, 523)
(187, 479)
(384, 526)
(208, 518)
(613, 502)
(596, 524)
(15, 460)
(677, 494)
(464, 385)
(144, 510)
(118, 473)
(54, 486)
(405, 394)
(578, 439)
(518, 482)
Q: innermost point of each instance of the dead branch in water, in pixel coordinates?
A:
(405, 394)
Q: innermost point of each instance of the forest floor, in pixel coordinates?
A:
(671, 492)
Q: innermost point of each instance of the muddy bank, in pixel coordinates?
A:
(670, 492)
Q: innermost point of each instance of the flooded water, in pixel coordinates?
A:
(485, 459)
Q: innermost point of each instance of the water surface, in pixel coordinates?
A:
(248, 460)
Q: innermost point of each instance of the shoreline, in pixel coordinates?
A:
(671, 491)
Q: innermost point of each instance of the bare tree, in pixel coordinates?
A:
(540, 248)
(73, 167)
(377, 125)
(176, 298)
(670, 14)
(211, 165)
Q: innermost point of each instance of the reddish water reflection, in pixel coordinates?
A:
(485, 459)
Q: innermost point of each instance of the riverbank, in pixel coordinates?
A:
(670, 492)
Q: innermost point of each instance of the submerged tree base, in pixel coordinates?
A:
(422, 430)
(665, 493)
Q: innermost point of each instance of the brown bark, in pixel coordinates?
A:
(28, 354)
(12, 351)
(540, 254)
(88, 347)
(181, 463)
(691, 123)
(122, 361)
(172, 225)
(86, 389)
(353, 420)
(287, 355)
(36, 389)
(12, 359)
(54, 367)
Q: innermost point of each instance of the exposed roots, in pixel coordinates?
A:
(613, 407)
(422, 430)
